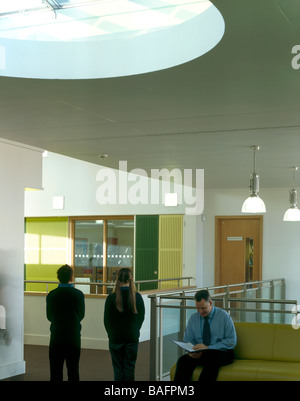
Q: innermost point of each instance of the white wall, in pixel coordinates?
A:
(20, 166)
(93, 333)
(193, 249)
(76, 181)
(281, 240)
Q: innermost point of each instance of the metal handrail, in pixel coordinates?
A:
(228, 286)
(110, 284)
(157, 306)
(264, 300)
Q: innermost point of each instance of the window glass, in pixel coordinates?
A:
(100, 248)
(119, 246)
(88, 252)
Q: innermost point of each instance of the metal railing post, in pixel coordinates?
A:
(282, 295)
(153, 338)
(243, 314)
(182, 322)
(272, 305)
(259, 293)
(226, 299)
(160, 342)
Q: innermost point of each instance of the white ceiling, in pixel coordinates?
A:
(202, 114)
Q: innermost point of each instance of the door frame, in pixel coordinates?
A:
(217, 241)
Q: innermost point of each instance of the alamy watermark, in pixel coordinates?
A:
(295, 320)
(2, 318)
(2, 58)
(136, 187)
(296, 59)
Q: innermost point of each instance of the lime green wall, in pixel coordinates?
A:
(46, 249)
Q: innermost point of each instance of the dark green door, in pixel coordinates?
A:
(146, 248)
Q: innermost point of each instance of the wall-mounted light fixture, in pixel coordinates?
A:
(171, 199)
(254, 204)
(58, 202)
(293, 213)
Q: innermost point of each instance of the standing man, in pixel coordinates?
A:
(65, 309)
(213, 334)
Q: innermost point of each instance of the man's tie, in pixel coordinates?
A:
(206, 332)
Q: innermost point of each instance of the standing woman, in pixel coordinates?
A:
(123, 317)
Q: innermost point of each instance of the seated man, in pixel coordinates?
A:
(213, 334)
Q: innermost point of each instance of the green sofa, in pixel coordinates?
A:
(264, 352)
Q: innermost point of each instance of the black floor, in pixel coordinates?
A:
(95, 365)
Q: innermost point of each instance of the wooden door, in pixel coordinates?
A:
(238, 249)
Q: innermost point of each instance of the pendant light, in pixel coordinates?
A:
(293, 213)
(254, 204)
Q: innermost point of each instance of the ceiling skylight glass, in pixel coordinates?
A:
(21, 6)
(71, 39)
(14, 6)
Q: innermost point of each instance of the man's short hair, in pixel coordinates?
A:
(202, 294)
(65, 273)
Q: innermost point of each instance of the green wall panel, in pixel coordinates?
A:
(146, 250)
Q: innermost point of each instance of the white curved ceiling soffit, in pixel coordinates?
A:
(103, 39)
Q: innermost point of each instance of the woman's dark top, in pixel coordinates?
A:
(123, 327)
(65, 309)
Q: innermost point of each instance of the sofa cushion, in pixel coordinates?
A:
(278, 371)
(279, 342)
(286, 345)
(260, 370)
(253, 370)
(254, 341)
(239, 370)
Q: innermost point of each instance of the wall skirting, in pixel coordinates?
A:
(86, 343)
(12, 369)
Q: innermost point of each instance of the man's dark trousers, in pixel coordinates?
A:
(60, 352)
(211, 360)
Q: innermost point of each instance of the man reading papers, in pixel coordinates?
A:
(210, 329)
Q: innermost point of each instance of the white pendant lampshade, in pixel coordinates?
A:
(254, 204)
(293, 213)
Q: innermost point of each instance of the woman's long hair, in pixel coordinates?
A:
(125, 277)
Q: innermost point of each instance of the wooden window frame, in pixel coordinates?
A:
(73, 219)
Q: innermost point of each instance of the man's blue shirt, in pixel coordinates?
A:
(223, 334)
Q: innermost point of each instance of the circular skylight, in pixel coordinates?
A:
(101, 39)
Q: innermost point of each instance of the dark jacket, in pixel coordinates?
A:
(123, 327)
(65, 309)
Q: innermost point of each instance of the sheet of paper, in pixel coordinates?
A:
(187, 346)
